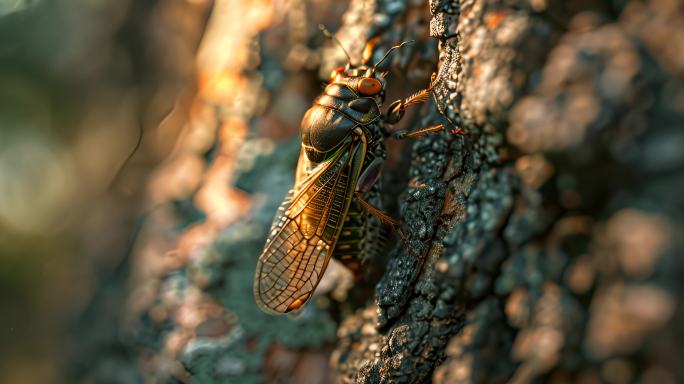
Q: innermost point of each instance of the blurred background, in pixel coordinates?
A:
(120, 127)
(80, 82)
(145, 145)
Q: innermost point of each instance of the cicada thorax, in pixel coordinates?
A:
(325, 126)
(334, 115)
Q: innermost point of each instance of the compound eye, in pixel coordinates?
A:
(369, 86)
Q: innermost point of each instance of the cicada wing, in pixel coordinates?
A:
(305, 231)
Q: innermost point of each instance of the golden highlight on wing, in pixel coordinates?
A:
(305, 230)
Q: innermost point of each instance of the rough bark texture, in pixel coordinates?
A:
(548, 236)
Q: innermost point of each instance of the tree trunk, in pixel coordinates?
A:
(542, 245)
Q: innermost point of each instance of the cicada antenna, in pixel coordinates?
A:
(390, 51)
(331, 36)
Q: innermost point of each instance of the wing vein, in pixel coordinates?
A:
(304, 231)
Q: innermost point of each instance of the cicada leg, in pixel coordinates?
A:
(396, 111)
(387, 219)
(404, 133)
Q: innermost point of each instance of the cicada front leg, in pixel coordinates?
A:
(396, 111)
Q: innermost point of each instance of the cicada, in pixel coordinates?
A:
(327, 212)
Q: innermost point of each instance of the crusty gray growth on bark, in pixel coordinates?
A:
(460, 199)
(542, 245)
(511, 281)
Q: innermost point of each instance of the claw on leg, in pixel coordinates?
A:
(458, 131)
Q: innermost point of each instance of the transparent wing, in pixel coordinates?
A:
(305, 230)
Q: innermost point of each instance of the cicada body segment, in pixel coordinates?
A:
(323, 130)
(333, 117)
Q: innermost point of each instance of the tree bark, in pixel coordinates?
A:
(544, 243)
